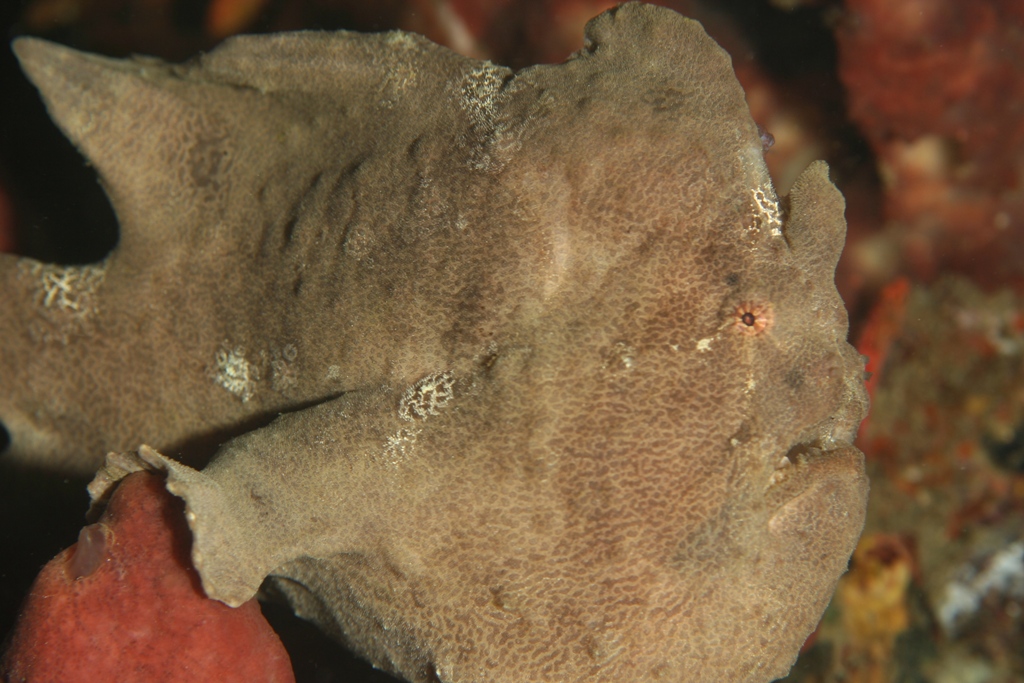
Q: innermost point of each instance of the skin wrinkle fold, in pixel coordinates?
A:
(470, 349)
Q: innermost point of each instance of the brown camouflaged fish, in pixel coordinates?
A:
(567, 389)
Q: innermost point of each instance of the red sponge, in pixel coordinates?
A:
(124, 604)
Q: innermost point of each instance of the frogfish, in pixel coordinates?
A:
(493, 375)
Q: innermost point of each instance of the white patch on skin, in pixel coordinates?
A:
(68, 289)
(622, 357)
(766, 209)
(427, 396)
(782, 469)
(235, 373)
(401, 77)
(778, 476)
(399, 445)
(482, 95)
(705, 344)
(283, 370)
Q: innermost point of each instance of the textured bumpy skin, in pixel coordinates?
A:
(567, 386)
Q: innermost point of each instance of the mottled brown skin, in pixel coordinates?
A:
(593, 406)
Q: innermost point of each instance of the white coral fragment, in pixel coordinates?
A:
(1003, 575)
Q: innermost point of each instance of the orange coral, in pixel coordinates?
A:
(228, 17)
(873, 597)
(935, 88)
(883, 328)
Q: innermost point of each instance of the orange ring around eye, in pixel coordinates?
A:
(752, 318)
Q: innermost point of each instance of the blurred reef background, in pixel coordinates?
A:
(917, 105)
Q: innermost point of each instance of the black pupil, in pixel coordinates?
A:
(748, 319)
